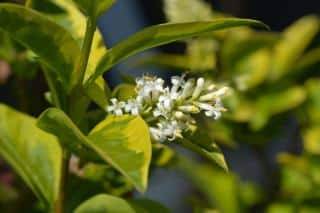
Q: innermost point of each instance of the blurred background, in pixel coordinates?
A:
(129, 16)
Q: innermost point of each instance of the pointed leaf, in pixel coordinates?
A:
(163, 34)
(104, 203)
(94, 8)
(212, 152)
(55, 46)
(123, 142)
(33, 154)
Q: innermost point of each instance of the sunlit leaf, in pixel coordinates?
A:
(311, 140)
(123, 142)
(75, 22)
(252, 70)
(162, 34)
(43, 37)
(292, 45)
(104, 203)
(33, 154)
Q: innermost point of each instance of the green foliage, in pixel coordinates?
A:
(33, 154)
(94, 8)
(105, 204)
(90, 153)
(163, 34)
(39, 34)
(123, 142)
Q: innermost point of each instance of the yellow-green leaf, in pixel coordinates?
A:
(53, 44)
(33, 154)
(94, 8)
(292, 45)
(163, 34)
(104, 203)
(123, 142)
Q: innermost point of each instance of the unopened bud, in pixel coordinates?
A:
(189, 109)
(198, 89)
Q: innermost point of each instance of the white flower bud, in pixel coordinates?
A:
(199, 88)
(189, 109)
(211, 96)
(187, 90)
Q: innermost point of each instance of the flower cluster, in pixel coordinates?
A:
(169, 110)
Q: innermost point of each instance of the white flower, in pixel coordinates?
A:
(116, 107)
(133, 107)
(165, 104)
(211, 96)
(170, 110)
(167, 130)
(199, 88)
(149, 89)
(210, 110)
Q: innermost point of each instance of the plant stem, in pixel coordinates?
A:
(59, 205)
(85, 51)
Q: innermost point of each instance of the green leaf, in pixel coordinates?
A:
(94, 8)
(54, 45)
(292, 45)
(148, 206)
(311, 140)
(210, 151)
(104, 203)
(124, 92)
(34, 154)
(243, 42)
(123, 142)
(252, 70)
(163, 34)
(276, 102)
(220, 188)
(75, 22)
(313, 102)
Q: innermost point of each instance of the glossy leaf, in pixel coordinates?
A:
(43, 37)
(33, 154)
(59, 124)
(75, 23)
(123, 142)
(104, 203)
(94, 8)
(163, 34)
